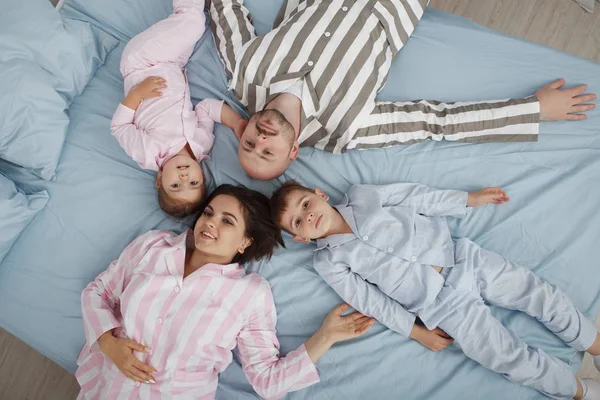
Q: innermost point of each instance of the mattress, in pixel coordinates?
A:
(101, 201)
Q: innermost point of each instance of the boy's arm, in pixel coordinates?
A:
(425, 200)
(365, 297)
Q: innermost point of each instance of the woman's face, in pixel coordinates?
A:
(220, 230)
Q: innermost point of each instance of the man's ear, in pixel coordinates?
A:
(321, 194)
(300, 239)
(159, 179)
(294, 152)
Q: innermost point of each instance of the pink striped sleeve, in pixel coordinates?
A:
(99, 300)
(271, 376)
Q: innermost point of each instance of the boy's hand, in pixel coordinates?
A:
(148, 88)
(566, 104)
(434, 340)
(120, 352)
(487, 195)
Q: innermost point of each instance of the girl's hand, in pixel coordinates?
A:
(120, 352)
(150, 87)
(487, 195)
(434, 340)
(337, 328)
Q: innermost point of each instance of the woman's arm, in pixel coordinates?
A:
(273, 376)
(336, 328)
(100, 303)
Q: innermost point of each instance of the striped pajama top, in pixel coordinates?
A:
(342, 51)
(190, 324)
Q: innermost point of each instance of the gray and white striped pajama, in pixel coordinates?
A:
(342, 51)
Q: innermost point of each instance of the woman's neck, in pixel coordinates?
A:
(194, 260)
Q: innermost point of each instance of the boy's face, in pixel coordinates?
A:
(308, 215)
(182, 178)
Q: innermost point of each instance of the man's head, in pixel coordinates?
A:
(267, 145)
(302, 212)
(180, 184)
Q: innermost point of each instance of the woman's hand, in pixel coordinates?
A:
(120, 352)
(337, 328)
(148, 88)
(487, 195)
(434, 340)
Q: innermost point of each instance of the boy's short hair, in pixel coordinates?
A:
(178, 208)
(280, 203)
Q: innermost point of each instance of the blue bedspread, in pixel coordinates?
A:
(101, 200)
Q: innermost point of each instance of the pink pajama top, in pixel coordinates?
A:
(191, 325)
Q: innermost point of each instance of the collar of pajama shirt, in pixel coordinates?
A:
(176, 263)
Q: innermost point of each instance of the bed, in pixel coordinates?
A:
(100, 200)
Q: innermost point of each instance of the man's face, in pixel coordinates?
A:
(267, 145)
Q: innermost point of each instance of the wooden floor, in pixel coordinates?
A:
(561, 24)
(25, 374)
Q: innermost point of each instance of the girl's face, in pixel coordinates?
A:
(182, 178)
(220, 232)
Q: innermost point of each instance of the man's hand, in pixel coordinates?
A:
(565, 104)
(486, 196)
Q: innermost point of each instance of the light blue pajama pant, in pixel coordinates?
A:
(460, 311)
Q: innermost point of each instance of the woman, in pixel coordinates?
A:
(162, 320)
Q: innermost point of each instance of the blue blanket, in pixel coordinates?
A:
(101, 200)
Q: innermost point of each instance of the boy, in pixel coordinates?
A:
(388, 252)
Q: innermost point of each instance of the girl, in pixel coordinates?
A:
(156, 125)
(162, 320)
